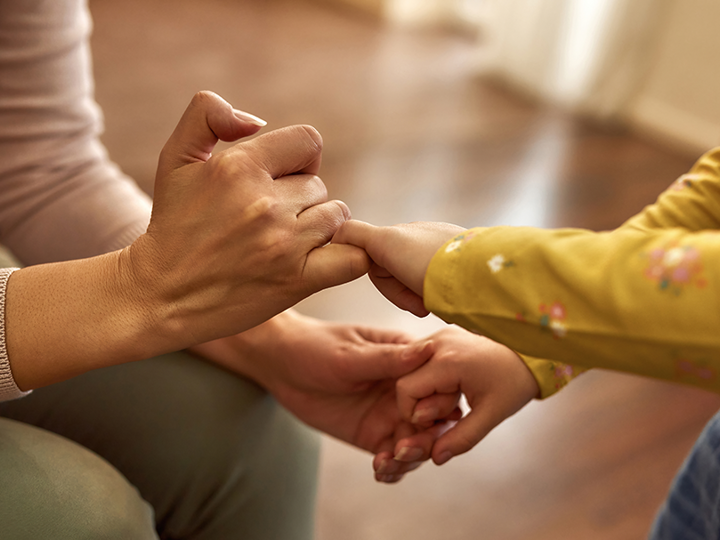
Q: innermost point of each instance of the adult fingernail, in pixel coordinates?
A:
(444, 457)
(384, 466)
(425, 415)
(409, 454)
(250, 118)
(389, 478)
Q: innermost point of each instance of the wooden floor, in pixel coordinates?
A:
(411, 133)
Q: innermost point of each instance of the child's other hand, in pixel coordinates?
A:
(494, 379)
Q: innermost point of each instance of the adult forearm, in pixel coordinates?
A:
(234, 239)
(64, 319)
(252, 352)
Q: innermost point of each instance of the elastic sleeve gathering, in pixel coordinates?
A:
(8, 388)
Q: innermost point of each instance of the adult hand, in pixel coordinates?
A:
(234, 238)
(338, 378)
(401, 255)
(238, 236)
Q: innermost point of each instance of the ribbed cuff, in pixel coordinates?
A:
(8, 388)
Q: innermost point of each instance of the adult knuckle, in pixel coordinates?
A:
(312, 135)
(318, 185)
(234, 166)
(219, 163)
(404, 386)
(203, 97)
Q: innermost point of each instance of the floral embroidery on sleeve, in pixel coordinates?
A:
(685, 181)
(498, 262)
(688, 369)
(458, 241)
(563, 373)
(552, 319)
(674, 267)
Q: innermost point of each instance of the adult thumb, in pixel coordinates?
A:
(206, 120)
(334, 264)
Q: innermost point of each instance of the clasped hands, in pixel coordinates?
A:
(238, 237)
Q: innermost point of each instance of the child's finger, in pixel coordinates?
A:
(389, 470)
(357, 233)
(386, 464)
(397, 292)
(464, 435)
(421, 384)
(435, 407)
(411, 450)
(418, 446)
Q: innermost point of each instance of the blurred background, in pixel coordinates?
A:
(550, 113)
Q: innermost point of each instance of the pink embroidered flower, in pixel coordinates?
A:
(687, 368)
(674, 267)
(563, 370)
(557, 311)
(563, 373)
(552, 318)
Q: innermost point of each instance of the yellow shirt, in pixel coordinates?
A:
(644, 298)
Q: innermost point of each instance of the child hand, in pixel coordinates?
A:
(401, 255)
(493, 378)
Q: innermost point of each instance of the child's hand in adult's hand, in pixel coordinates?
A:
(401, 255)
(493, 378)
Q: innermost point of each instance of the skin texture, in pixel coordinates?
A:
(401, 255)
(493, 378)
(338, 378)
(234, 239)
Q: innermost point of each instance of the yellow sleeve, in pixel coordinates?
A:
(641, 299)
(692, 202)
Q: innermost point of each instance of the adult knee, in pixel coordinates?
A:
(54, 488)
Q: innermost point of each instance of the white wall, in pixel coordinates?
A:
(680, 100)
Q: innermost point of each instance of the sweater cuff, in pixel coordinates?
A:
(8, 388)
(550, 375)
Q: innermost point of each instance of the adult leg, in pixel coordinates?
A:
(213, 453)
(53, 488)
(692, 508)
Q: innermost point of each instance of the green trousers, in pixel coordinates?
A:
(171, 447)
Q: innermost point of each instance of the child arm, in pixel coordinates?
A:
(642, 298)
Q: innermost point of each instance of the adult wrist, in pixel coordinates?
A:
(149, 299)
(251, 353)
